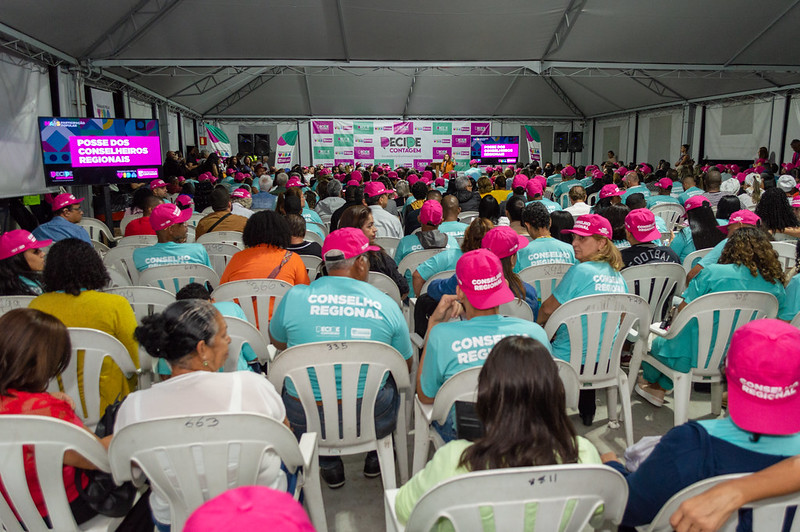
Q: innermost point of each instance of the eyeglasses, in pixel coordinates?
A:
(75, 208)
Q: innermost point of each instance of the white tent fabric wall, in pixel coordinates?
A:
(173, 131)
(793, 126)
(26, 96)
(735, 131)
(659, 136)
(139, 109)
(189, 138)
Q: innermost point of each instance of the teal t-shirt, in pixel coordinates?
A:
(725, 429)
(584, 279)
(683, 243)
(35, 287)
(713, 256)
(458, 345)
(652, 201)
(637, 189)
(453, 229)
(553, 179)
(441, 262)
(335, 309)
(311, 216)
(551, 205)
(793, 297)
(711, 279)
(409, 244)
(693, 191)
(563, 187)
(544, 250)
(168, 254)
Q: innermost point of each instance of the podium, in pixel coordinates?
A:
(437, 168)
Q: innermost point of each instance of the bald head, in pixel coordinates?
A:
(713, 180)
(451, 208)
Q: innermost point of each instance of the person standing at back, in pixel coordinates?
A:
(67, 213)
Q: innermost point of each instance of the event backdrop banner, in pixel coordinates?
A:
(218, 141)
(285, 154)
(103, 104)
(534, 143)
(415, 143)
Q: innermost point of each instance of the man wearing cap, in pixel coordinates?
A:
(664, 188)
(141, 225)
(241, 201)
(641, 232)
(169, 223)
(534, 191)
(159, 189)
(633, 186)
(543, 248)
(568, 181)
(689, 189)
(738, 219)
(474, 172)
(222, 219)
(336, 307)
(787, 184)
(377, 197)
(454, 346)
(67, 213)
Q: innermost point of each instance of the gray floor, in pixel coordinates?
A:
(358, 506)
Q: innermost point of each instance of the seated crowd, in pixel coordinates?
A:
(457, 250)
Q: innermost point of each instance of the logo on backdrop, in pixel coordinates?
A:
(322, 128)
(403, 128)
(402, 144)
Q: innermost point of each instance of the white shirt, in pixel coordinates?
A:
(578, 209)
(241, 210)
(385, 223)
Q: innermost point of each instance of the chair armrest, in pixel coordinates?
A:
(309, 448)
(656, 329)
(677, 301)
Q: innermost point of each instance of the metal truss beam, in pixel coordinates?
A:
(505, 94)
(308, 93)
(563, 96)
(342, 31)
(410, 92)
(205, 84)
(243, 92)
(565, 25)
(36, 50)
(130, 27)
(653, 85)
(291, 118)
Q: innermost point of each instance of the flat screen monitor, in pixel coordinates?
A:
(495, 149)
(99, 151)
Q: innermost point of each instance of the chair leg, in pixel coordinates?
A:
(716, 398)
(627, 414)
(401, 441)
(611, 394)
(421, 442)
(682, 391)
(386, 460)
(313, 496)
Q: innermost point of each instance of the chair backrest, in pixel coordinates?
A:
(311, 236)
(565, 496)
(385, 284)
(731, 310)
(220, 254)
(796, 320)
(767, 514)
(222, 237)
(688, 262)
(322, 227)
(96, 228)
(656, 283)
(144, 300)
(571, 381)
(592, 199)
(138, 240)
(436, 276)
(545, 277)
(49, 439)
(173, 277)
(120, 259)
(463, 386)
(11, 302)
(786, 253)
(256, 297)
(564, 200)
(242, 332)
(349, 357)
(100, 248)
(91, 346)
(466, 217)
(117, 279)
(196, 217)
(312, 264)
(518, 309)
(190, 233)
(388, 243)
(188, 458)
(412, 261)
(671, 214)
(603, 320)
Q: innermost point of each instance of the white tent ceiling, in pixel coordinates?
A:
(476, 58)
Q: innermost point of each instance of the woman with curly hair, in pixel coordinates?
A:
(485, 185)
(74, 276)
(748, 262)
(777, 215)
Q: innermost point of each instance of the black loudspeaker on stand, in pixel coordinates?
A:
(245, 142)
(575, 141)
(560, 141)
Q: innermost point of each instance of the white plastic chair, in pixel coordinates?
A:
(657, 283)
(768, 514)
(412, 261)
(517, 309)
(545, 277)
(173, 277)
(385, 284)
(796, 321)
(388, 243)
(564, 200)
(94, 346)
(786, 253)
(138, 240)
(190, 233)
(11, 302)
(255, 297)
(120, 259)
(100, 248)
(592, 199)
(220, 255)
(350, 357)
(733, 309)
(671, 214)
(604, 320)
(436, 276)
(222, 237)
(466, 217)
(322, 227)
(688, 262)
(312, 264)
(196, 217)
(311, 236)
(241, 332)
(188, 459)
(96, 228)
(566, 498)
(49, 438)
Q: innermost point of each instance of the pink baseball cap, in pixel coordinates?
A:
(642, 225)
(355, 174)
(18, 241)
(645, 169)
(240, 193)
(534, 187)
(589, 225)
(391, 174)
(238, 177)
(796, 201)
(431, 213)
(473, 162)
(412, 178)
(250, 508)
(346, 243)
(763, 370)
(610, 190)
(181, 179)
(65, 200)
(375, 188)
(519, 181)
(167, 214)
(568, 171)
(353, 182)
(489, 169)
(480, 277)
(157, 183)
(597, 174)
(230, 171)
(741, 217)
(294, 182)
(591, 168)
(439, 182)
(503, 241)
(695, 202)
(374, 176)
(184, 201)
(427, 174)
(664, 183)
(734, 168)
(622, 170)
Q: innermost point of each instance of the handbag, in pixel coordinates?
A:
(101, 493)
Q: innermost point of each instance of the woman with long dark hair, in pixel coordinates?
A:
(21, 263)
(777, 215)
(521, 403)
(702, 232)
(727, 205)
(489, 209)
